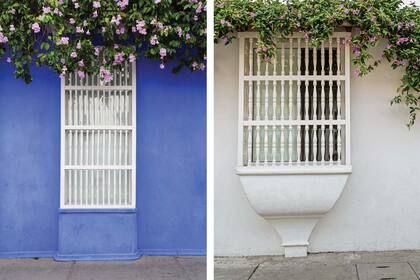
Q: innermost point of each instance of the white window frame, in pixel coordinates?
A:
(132, 128)
(243, 121)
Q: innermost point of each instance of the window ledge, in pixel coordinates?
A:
(97, 210)
(289, 170)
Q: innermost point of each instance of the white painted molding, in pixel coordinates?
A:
(293, 204)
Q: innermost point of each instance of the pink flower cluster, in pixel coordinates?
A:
(105, 74)
(118, 58)
(122, 4)
(157, 24)
(63, 41)
(116, 20)
(97, 51)
(399, 62)
(200, 8)
(81, 74)
(140, 27)
(198, 66)
(36, 28)
(154, 41)
(179, 31)
(356, 50)
(402, 40)
(162, 53)
(3, 38)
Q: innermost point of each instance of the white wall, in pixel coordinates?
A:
(380, 206)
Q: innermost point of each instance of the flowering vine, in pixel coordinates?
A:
(370, 21)
(88, 36)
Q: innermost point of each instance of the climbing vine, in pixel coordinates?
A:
(95, 36)
(371, 20)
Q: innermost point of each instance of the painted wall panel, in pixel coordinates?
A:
(106, 235)
(29, 161)
(171, 152)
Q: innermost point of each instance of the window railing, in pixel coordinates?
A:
(294, 110)
(98, 141)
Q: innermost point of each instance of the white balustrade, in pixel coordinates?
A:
(297, 105)
(98, 146)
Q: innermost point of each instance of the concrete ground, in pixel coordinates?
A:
(146, 268)
(395, 265)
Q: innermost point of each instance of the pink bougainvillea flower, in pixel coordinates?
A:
(157, 2)
(46, 10)
(154, 41)
(72, 21)
(81, 74)
(97, 51)
(105, 74)
(131, 58)
(162, 66)
(141, 27)
(63, 72)
(63, 41)
(78, 45)
(194, 65)
(9, 60)
(162, 52)
(356, 72)
(81, 63)
(79, 29)
(96, 4)
(12, 28)
(13, 11)
(95, 14)
(116, 20)
(73, 55)
(199, 8)
(120, 30)
(402, 40)
(179, 31)
(399, 62)
(122, 4)
(36, 28)
(118, 58)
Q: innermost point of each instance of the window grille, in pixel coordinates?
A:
(98, 148)
(295, 110)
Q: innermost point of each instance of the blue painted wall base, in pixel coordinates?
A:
(97, 235)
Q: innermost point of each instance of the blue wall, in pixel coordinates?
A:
(171, 150)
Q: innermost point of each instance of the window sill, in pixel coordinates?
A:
(99, 210)
(294, 169)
